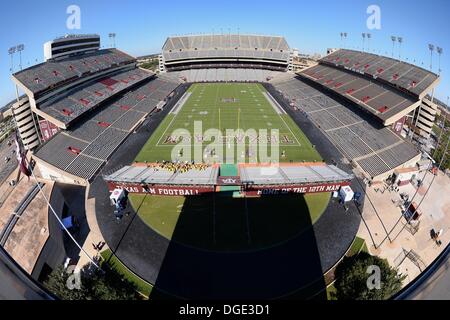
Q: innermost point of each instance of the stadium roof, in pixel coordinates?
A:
(49, 75)
(292, 174)
(150, 175)
(402, 75)
(282, 174)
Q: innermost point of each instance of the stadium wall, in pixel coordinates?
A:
(53, 253)
(164, 190)
(52, 173)
(380, 178)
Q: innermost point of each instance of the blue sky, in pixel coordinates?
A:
(311, 26)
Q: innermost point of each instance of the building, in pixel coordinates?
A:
(218, 51)
(70, 45)
(26, 122)
(424, 118)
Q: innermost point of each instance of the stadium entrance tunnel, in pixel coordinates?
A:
(227, 248)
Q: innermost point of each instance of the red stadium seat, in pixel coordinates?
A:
(84, 102)
(104, 124)
(383, 109)
(74, 150)
(67, 112)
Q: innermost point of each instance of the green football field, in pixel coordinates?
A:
(227, 107)
(219, 221)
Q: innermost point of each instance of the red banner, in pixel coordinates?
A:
(397, 127)
(48, 129)
(296, 189)
(171, 191)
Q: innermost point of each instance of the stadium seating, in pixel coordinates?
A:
(70, 105)
(52, 74)
(179, 51)
(375, 150)
(83, 149)
(381, 101)
(225, 75)
(397, 73)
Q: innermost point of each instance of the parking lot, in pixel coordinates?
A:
(7, 166)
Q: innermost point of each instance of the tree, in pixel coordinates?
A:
(56, 283)
(95, 285)
(352, 276)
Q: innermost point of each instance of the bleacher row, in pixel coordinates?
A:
(225, 75)
(224, 53)
(82, 150)
(371, 96)
(50, 74)
(226, 46)
(226, 41)
(71, 104)
(375, 150)
(401, 74)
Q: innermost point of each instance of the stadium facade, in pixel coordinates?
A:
(69, 45)
(79, 107)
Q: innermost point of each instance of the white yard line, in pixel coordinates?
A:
(275, 105)
(175, 117)
(298, 142)
(181, 103)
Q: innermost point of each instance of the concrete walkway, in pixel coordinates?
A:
(383, 216)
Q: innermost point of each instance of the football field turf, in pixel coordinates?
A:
(225, 107)
(220, 222)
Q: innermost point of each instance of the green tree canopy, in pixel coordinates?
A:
(353, 274)
(95, 285)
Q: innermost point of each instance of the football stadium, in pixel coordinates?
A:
(226, 173)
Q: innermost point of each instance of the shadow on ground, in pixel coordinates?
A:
(270, 273)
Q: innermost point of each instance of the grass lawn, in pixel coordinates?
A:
(143, 287)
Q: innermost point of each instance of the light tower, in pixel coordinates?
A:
(19, 49)
(112, 36)
(364, 40)
(431, 48)
(439, 51)
(11, 52)
(369, 36)
(400, 41)
(393, 38)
